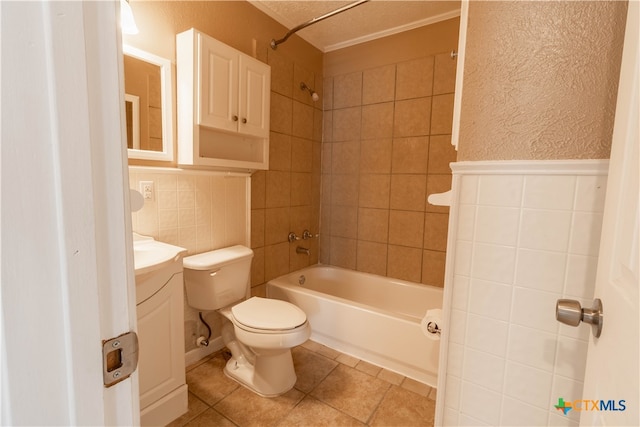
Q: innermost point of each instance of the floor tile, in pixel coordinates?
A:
(208, 381)
(196, 407)
(353, 392)
(368, 368)
(245, 408)
(313, 412)
(416, 387)
(310, 368)
(401, 407)
(210, 418)
(390, 377)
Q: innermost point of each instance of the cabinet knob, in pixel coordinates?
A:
(244, 120)
(235, 118)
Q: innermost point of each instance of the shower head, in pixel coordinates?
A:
(312, 92)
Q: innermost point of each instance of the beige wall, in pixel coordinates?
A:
(386, 146)
(540, 80)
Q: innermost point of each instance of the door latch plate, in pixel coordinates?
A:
(119, 358)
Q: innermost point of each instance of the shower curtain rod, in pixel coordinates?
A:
(275, 43)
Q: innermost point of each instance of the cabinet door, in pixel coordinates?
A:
(254, 97)
(161, 342)
(217, 85)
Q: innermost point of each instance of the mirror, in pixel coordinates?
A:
(148, 102)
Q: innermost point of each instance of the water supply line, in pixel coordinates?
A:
(202, 341)
(275, 43)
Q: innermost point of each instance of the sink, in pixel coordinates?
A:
(150, 254)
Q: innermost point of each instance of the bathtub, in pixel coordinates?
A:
(373, 318)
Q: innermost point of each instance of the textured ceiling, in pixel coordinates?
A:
(368, 21)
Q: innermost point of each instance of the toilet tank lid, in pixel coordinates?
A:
(217, 258)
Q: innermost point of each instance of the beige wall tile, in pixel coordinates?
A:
(347, 124)
(301, 155)
(441, 154)
(444, 74)
(344, 221)
(372, 258)
(300, 219)
(327, 152)
(408, 192)
(281, 73)
(302, 125)
(327, 93)
(347, 90)
(442, 114)
(258, 189)
(374, 191)
(301, 74)
(414, 78)
(257, 267)
(257, 227)
(279, 152)
(317, 124)
(373, 225)
(281, 113)
(300, 189)
(436, 231)
(278, 189)
(378, 84)
(276, 225)
(406, 228)
(343, 252)
(412, 117)
(433, 268)
(276, 260)
(377, 121)
(410, 155)
(325, 220)
(345, 157)
(327, 126)
(404, 263)
(375, 156)
(344, 190)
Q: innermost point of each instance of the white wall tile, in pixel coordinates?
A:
(581, 276)
(455, 358)
(517, 413)
(457, 325)
(585, 233)
(450, 417)
(463, 257)
(480, 403)
(545, 230)
(535, 309)
(501, 190)
(460, 292)
(466, 222)
(483, 368)
(490, 299)
(590, 193)
(532, 347)
(571, 357)
(493, 263)
(562, 421)
(569, 390)
(549, 191)
(453, 392)
(541, 270)
(497, 225)
(528, 384)
(485, 334)
(466, 420)
(469, 189)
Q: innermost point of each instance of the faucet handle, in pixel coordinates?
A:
(307, 235)
(292, 237)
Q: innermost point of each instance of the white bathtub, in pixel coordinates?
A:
(373, 318)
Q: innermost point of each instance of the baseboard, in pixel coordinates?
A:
(200, 353)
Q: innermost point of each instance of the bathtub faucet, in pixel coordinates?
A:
(301, 250)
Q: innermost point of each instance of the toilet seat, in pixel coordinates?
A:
(268, 315)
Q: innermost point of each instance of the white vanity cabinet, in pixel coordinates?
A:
(223, 105)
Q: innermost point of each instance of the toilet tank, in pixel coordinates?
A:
(218, 278)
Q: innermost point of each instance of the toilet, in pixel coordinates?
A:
(260, 332)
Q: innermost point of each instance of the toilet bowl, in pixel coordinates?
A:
(259, 332)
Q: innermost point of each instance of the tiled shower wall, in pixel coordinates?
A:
(525, 235)
(386, 147)
(286, 198)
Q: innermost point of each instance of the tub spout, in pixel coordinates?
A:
(301, 250)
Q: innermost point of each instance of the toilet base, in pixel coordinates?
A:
(271, 375)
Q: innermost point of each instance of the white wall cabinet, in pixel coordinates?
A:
(223, 105)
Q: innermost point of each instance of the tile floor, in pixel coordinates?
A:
(333, 389)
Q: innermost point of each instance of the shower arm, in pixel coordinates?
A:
(275, 43)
